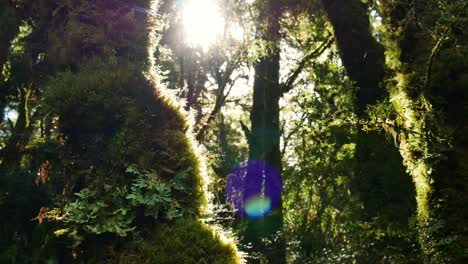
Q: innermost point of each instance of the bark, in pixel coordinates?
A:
(378, 164)
(430, 43)
(264, 136)
(362, 56)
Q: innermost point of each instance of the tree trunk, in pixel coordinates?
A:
(362, 56)
(378, 163)
(429, 51)
(265, 132)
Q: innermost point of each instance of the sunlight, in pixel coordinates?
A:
(203, 22)
(11, 114)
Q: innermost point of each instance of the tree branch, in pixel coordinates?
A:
(246, 130)
(288, 85)
(222, 79)
(434, 52)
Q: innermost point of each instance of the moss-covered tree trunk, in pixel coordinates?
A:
(112, 128)
(264, 138)
(378, 166)
(428, 52)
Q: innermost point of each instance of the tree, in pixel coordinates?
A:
(378, 164)
(204, 76)
(427, 54)
(324, 216)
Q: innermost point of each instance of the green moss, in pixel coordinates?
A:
(430, 97)
(80, 30)
(185, 241)
(111, 118)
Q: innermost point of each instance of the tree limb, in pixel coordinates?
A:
(434, 52)
(246, 130)
(288, 85)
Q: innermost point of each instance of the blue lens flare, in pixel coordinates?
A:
(253, 188)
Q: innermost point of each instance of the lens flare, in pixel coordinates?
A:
(253, 188)
(257, 206)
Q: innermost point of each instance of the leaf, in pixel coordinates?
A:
(133, 170)
(167, 170)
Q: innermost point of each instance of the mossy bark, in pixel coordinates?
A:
(428, 47)
(362, 56)
(184, 241)
(378, 163)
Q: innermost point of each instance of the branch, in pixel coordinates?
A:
(434, 52)
(220, 98)
(288, 85)
(296, 129)
(246, 130)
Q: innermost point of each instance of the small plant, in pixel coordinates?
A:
(111, 209)
(154, 195)
(99, 213)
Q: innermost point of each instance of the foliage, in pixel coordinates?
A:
(19, 202)
(97, 109)
(327, 206)
(228, 150)
(88, 107)
(155, 196)
(318, 158)
(79, 103)
(111, 209)
(98, 214)
(78, 32)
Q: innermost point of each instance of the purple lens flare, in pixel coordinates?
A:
(254, 188)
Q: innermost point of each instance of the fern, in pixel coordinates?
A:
(154, 195)
(96, 215)
(111, 209)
